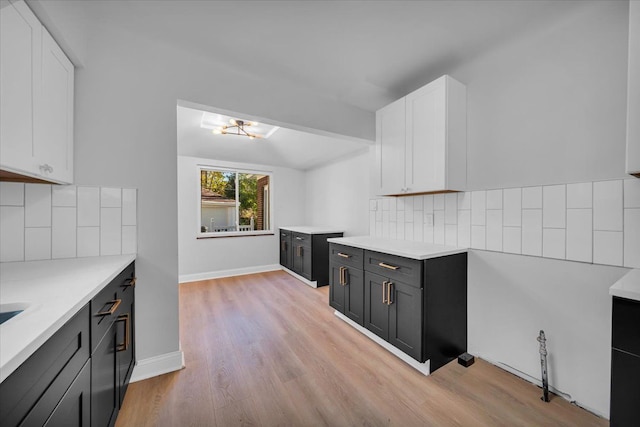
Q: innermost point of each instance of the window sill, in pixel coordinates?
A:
(235, 234)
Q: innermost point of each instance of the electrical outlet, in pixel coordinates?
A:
(428, 219)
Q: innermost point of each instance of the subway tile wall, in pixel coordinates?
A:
(41, 221)
(592, 222)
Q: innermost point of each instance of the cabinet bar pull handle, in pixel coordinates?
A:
(389, 285)
(300, 251)
(125, 344)
(340, 276)
(114, 306)
(299, 238)
(345, 275)
(384, 292)
(132, 282)
(390, 267)
(340, 254)
(282, 245)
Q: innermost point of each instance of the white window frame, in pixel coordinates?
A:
(269, 215)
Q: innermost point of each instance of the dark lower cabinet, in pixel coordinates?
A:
(306, 254)
(74, 410)
(79, 376)
(625, 363)
(286, 259)
(113, 352)
(393, 311)
(418, 306)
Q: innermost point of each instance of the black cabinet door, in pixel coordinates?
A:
(376, 310)
(286, 251)
(405, 318)
(74, 410)
(124, 349)
(302, 260)
(625, 390)
(336, 288)
(104, 380)
(354, 294)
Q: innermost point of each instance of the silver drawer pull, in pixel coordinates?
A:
(390, 267)
(299, 238)
(344, 255)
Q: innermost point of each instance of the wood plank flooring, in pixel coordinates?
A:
(266, 350)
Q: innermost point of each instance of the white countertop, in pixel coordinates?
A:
(627, 287)
(403, 248)
(305, 229)
(54, 290)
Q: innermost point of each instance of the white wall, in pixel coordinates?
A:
(214, 257)
(548, 108)
(338, 194)
(125, 136)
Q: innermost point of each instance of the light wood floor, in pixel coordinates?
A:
(266, 350)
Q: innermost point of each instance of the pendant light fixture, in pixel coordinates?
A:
(237, 127)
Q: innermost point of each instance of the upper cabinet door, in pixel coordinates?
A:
(633, 99)
(20, 63)
(390, 149)
(54, 130)
(426, 138)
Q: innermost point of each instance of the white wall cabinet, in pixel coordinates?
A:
(633, 99)
(36, 100)
(421, 144)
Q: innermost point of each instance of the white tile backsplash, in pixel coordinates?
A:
(580, 235)
(63, 195)
(11, 194)
(512, 240)
(513, 207)
(532, 198)
(88, 206)
(37, 243)
(532, 232)
(65, 221)
(110, 197)
(607, 205)
(632, 193)
(494, 229)
(554, 206)
(607, 247)
(494, 199)
(11, 233)
(63, 232)
(553, 243)
(37, 205)
(88, 241)
(478, 208)
(580, 195)
(632, 237)
(592, 222)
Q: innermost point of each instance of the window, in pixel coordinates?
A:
(234, 202)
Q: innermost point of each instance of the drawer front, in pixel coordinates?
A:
(44, 377)
(108, 304)
(301, 239)
(394, 267)
(346, 255)
(285, 234)
(625, 332)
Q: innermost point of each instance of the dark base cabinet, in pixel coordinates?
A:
(346, 282)
(306, 254)
(418, 306)
(625, 363)
(78, 377)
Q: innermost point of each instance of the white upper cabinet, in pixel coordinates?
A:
(633, 99)
(421, 144)
(36, 100)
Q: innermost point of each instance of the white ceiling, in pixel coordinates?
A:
(361, 53)
(286, 147)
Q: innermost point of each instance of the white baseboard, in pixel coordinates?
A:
(185, 278)
(313, 284)
(423, 368)
(158, 365)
